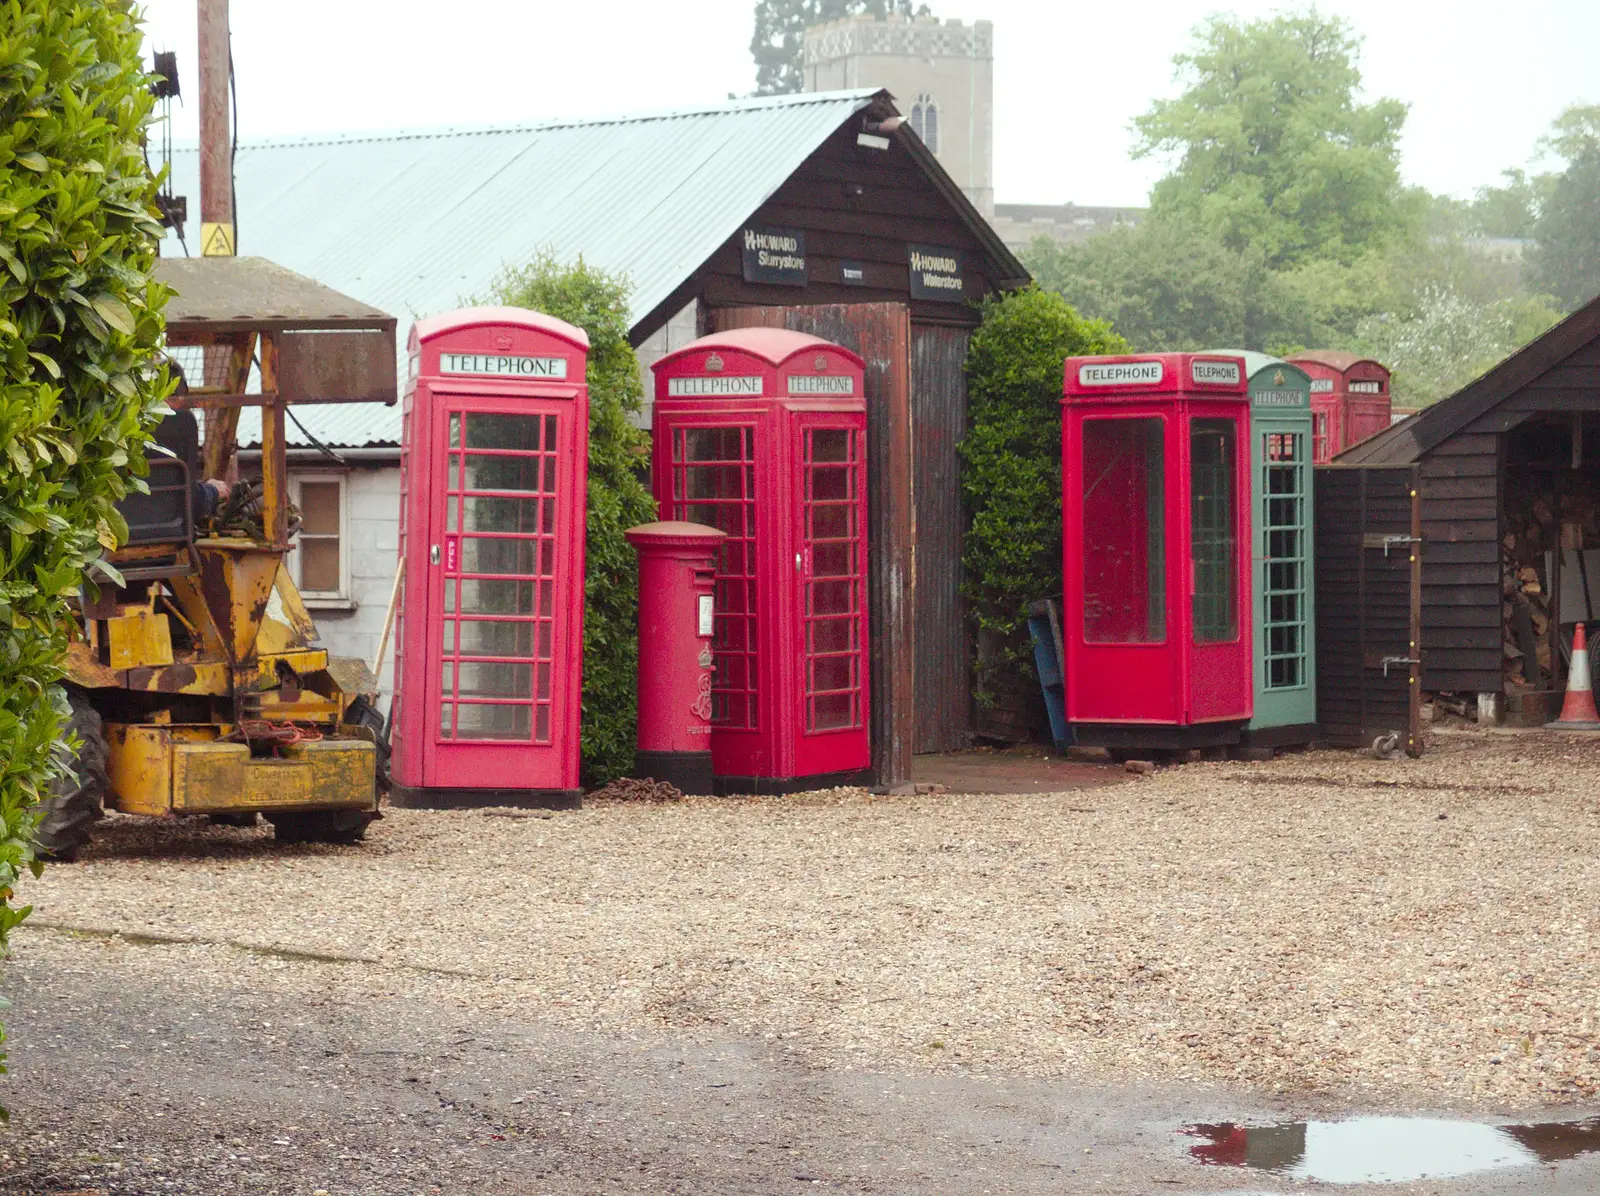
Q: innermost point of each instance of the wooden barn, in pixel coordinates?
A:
(1508, 493)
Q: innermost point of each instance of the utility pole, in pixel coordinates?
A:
(216, 156)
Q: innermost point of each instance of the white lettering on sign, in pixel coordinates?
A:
(1366, 388)
(1278, 398)
(1225, 373)
(1321, 386)
(821, 384)
(501, 365)
(1122, 373)
(739, 384)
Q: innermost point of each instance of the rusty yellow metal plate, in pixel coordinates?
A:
(140, 768)
(139, 639)
(343, 771)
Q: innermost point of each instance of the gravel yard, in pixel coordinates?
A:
(1401, 931)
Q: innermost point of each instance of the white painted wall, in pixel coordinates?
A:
(372, 498)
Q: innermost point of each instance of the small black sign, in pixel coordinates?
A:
(936, 273)
(852, 274)
(775, 256)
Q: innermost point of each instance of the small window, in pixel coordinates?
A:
(320, 562)
(925, 120)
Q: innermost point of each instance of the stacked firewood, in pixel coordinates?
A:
(1534, 534)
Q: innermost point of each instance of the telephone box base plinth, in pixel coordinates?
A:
(1297, 735)
(1156, 736)
(408, 798)
(689, 771)
(778, 786)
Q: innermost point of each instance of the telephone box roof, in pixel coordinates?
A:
(1335, 359)
(521, 317)
(772, 345)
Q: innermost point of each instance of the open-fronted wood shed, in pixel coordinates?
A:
(1509, 473)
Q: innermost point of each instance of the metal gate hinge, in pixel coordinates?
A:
(1398, 660)
(1371, 540)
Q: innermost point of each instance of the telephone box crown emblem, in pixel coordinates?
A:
(1277, 377)
(714, 364)
(502, 341)
(820, 364)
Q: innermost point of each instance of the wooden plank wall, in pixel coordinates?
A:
(859, 205)
(1461, 564)
(944, 644)
(1363, 601)
(880, 333)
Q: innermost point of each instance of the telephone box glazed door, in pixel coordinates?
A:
(831, 568)
(502, 518)
(489, 651)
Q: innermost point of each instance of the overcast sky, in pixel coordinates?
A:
(1484, 78)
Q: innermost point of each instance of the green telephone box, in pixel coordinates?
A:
(1285, 665)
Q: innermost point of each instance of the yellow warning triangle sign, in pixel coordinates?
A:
(216, 240)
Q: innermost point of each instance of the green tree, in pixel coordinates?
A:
(1011, 458)
(1447, 339)
(1566, 259)
(1169, 285)
(79, 337)
(779, 40)
(597, 302)
(1271, 151)
(1511, 210)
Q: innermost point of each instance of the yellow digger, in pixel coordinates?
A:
(197, 680)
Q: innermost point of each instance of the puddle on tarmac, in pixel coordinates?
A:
(1389, 1149)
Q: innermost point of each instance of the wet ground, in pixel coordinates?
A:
(129, 1082)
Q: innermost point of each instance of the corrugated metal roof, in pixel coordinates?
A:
(414, 223)
(341, 425)
(417, 223)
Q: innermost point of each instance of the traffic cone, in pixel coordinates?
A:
(1578, 712)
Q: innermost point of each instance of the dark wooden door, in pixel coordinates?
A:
(881, 334)
(944, 646)
(1369, 604)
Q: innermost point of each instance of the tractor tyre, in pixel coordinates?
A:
(343, 827)
(76, 801)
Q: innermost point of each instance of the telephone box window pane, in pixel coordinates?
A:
(517, 515)
(447, 720)
(515, 432)
(1124, 531)
(484, 638)
(483, 597)
(494, 679)
(833, 712)
(506, 473)
(831, 444)
(1213, 530)
(481, 721)
(485, 555)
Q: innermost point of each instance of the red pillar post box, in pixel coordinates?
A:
(761, 432)
(1155, 472)
(677, 585)
(489, 642)
(1350, 399)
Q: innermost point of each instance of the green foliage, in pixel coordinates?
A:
(1011, 457)
(79, 387)
(1272, 151)
(1447, 339)
(1167, 285)
(597, 302)
(779, 39)
(1566, 261)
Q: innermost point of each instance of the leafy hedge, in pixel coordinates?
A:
(1011, 460)
(597, 302)
(78, 339)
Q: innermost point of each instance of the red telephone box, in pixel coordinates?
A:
(1350, 399)
(489, 640)
(761, 432)
(1155, 472)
